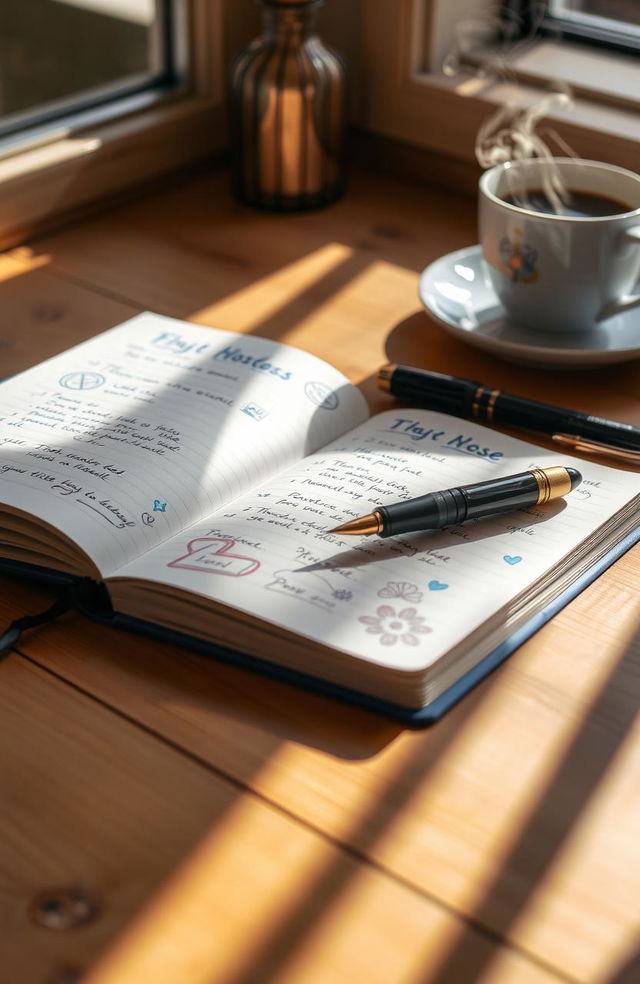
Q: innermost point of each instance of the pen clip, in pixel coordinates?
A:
(577, 443)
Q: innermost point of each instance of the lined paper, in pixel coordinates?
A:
(126, 439)
(402, 601)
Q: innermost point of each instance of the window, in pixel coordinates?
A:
(409, 98)
(101, 95)
(62, 56)
(613, 23)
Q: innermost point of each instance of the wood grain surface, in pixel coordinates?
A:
(500, 845)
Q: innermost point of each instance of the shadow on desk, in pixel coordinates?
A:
(237, 724)
(547, 830)
(560, 806)
(536, 847)
(250, 724)
(419, 341)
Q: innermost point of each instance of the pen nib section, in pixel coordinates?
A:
(364, 526)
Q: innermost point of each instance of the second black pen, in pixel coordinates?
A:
(475, 401)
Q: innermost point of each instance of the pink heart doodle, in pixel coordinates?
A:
(213, 555)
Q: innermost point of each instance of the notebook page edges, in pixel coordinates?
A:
(401, 602)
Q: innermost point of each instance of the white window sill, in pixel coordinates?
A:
(60, 170)
(428, 109)
(619, 121)
(592, 74)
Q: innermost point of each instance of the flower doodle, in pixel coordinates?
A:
(400, 589)
(391, 625)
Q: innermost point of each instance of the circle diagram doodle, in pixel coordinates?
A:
(82, 380)
(321, 395)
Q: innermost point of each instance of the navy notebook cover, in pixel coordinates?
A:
(417, 718)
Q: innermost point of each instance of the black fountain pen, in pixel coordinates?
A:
(475, 401)
(452, 506)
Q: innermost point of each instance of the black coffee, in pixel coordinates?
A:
(577, 204)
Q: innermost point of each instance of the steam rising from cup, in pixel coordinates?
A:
(513, 132)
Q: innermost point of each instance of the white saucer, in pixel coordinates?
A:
(457, 292)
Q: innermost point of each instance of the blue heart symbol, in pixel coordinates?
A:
(437, 586)
(511, 560)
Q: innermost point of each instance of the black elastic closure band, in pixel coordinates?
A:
(84, 595)
(9, 638)
(13, 633)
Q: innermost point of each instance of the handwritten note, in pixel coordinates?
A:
(402, 601)
(135, 435)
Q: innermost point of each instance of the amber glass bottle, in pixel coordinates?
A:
(288, 113)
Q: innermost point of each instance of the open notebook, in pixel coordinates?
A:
(195, 474)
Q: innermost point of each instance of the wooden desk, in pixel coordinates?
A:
(168, 819)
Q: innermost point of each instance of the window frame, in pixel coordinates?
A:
(63, 173)
(170, 76)
(406, 100)
(51, 172)
(589, 33)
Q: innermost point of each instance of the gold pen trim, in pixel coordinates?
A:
(384, 376)
(490, 405)
(553, 482)
(484, 411)
(594, 447)
(544, 487)
(475, 406)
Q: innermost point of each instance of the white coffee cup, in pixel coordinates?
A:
(560, 272)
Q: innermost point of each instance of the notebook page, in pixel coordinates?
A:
(126, 439)
(402, 601)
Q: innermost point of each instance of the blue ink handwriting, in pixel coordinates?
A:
(256, 363)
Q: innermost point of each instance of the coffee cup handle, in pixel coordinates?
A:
(628, 301)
